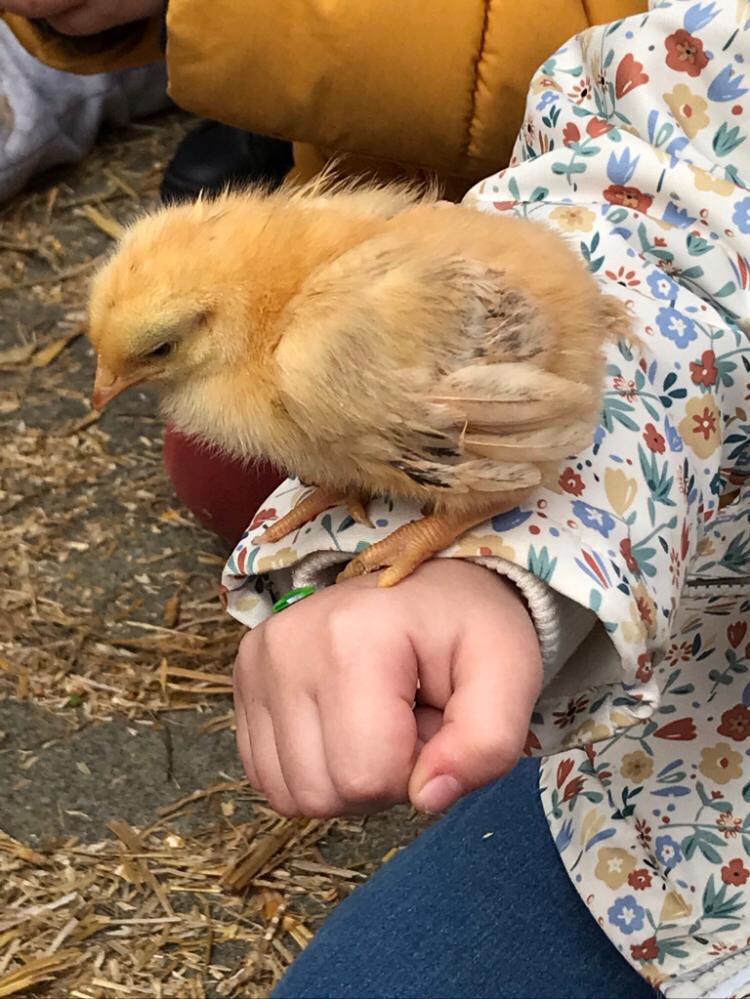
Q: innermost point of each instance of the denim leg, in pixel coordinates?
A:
(463, 913)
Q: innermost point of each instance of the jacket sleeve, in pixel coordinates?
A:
(437, 86)
(660, 501)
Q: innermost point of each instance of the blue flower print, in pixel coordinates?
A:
(592, 516)
(673, 436)
(547, 98)
(741, 216)
(626, 914)
(676, 326)
(677, 216)
(668, 851)
(662, 286)
(727, 86)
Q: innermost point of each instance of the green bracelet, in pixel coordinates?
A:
(292, 597)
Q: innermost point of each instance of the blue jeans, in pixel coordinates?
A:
(460, 913)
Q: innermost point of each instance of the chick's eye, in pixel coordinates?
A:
(161, 351)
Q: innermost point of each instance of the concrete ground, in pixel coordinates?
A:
(115, 660)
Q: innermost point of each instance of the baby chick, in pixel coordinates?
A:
(368, 340)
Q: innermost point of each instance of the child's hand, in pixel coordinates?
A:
(324, 692)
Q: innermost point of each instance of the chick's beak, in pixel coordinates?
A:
(107, 386)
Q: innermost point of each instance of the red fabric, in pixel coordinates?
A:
(222, 492)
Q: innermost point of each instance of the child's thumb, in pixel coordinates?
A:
(483, 730)
(458, 759)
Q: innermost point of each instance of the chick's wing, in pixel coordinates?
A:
(423, 366)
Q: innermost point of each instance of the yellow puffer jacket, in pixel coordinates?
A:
(440, 86)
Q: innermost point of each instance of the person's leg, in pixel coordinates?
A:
(49, 117)
(223, 493)
(480, 905)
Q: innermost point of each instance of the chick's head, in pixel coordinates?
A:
(163, 309)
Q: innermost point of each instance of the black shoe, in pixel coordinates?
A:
(213, 156)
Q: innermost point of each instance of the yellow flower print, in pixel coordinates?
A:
(613, 864)
(689, 109)
(637, 766)
(545, 83)
(705, 547)
(705, 181)
(573, 218)
(485, 544)
(592, 822)
(621, 490)
(701, 425)
(720, 763)
(279, 560)
(244, 602)
(675, 907)
(590, 731)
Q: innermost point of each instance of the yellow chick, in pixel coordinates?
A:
(371, 341)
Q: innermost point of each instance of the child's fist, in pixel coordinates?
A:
(361, 697)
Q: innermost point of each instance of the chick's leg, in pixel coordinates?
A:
(308, 509)
(408, 546)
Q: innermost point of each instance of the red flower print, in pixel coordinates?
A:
(682, 652)
(625, 387)
(736, 632)
(716, 795)
(679, 730)
(675, 565)
(504, 206)
(571, 133)
(668, 266)
(571, 482)
(563, 770)
(643, 832)
(654, 440)
(629, 75)
(625, 278)
(645, 669)
(574, 787)
(532, 743)
(705, 423)
(704, 372)
(685, 541)
(639, 879)
(735, 723)
(597, 127)
(626, 550)
(628, 197)
(645, 611)
(646, 951)
(575, 706)
(659, 241)
(685, 53)
(735, 873)
(728, 825)
(262, 516)
(581, 91)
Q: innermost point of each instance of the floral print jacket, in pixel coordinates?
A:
(636, 146)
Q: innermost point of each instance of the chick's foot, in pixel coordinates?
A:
(308, 509)
(408, 546)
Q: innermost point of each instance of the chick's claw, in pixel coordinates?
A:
(308, 509)
(409, 546)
